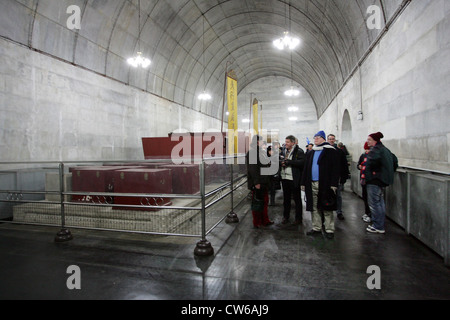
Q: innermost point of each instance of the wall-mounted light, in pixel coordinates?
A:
(293, 119)
(293, 109)
(360, 116)
(245, 120)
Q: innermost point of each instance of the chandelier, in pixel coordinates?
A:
(286, 42)
(204, 95)
(292, 92)
(139, 60)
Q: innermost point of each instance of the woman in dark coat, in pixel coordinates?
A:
(275, 180)
(320, 180)
(258, 183)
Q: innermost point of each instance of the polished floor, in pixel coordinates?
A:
(279, 262)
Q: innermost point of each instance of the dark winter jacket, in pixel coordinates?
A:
(254, 176)
(381, 165)
(344, 172)
(328, 174)
(297, 164)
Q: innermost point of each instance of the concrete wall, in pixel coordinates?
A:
(402, 89)
(275, 115)
(52, 110)
(21, 181)
(419, 202)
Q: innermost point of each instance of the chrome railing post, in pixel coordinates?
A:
(203, 247)
(232, 216)
(64, 234)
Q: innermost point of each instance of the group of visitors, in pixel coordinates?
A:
(320, 173)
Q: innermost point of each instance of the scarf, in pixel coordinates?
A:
(322, 146)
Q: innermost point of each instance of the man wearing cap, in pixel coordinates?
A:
(320, 180)
(380, 167)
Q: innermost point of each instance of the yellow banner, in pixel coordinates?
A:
(261, 118)
(255, 116)
(232, 115)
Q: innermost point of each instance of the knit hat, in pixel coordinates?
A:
(376, 136)
(366, 146)
(321, 134)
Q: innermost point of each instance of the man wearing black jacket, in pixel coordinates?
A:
(320, 181)
(343, 174)
(291, 174)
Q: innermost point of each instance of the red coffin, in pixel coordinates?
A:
(185, 178)
(142, 180)
(93, 179)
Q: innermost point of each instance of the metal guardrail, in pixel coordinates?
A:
(205, 199)
(425, 170)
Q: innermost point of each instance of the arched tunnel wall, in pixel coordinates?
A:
(402, 90)
(51, 110)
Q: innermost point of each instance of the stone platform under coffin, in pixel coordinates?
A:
(167, 220)
(89, 216)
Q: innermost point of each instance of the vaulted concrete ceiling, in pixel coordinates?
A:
(334, 37)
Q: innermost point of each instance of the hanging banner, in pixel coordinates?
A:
(261, 118)
(233, 113)
(255, 116)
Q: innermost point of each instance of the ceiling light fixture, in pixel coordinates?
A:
(139, 60)
(204, 95)
(293, 109)
(287, 41)
(292, 92)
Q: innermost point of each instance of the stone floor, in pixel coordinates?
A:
(279, 262)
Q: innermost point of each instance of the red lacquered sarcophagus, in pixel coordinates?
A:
(185, 178)
(97, 179)
(142, 180)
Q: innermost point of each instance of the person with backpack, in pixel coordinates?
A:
(380, 168)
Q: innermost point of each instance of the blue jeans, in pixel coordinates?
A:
(376, 205)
